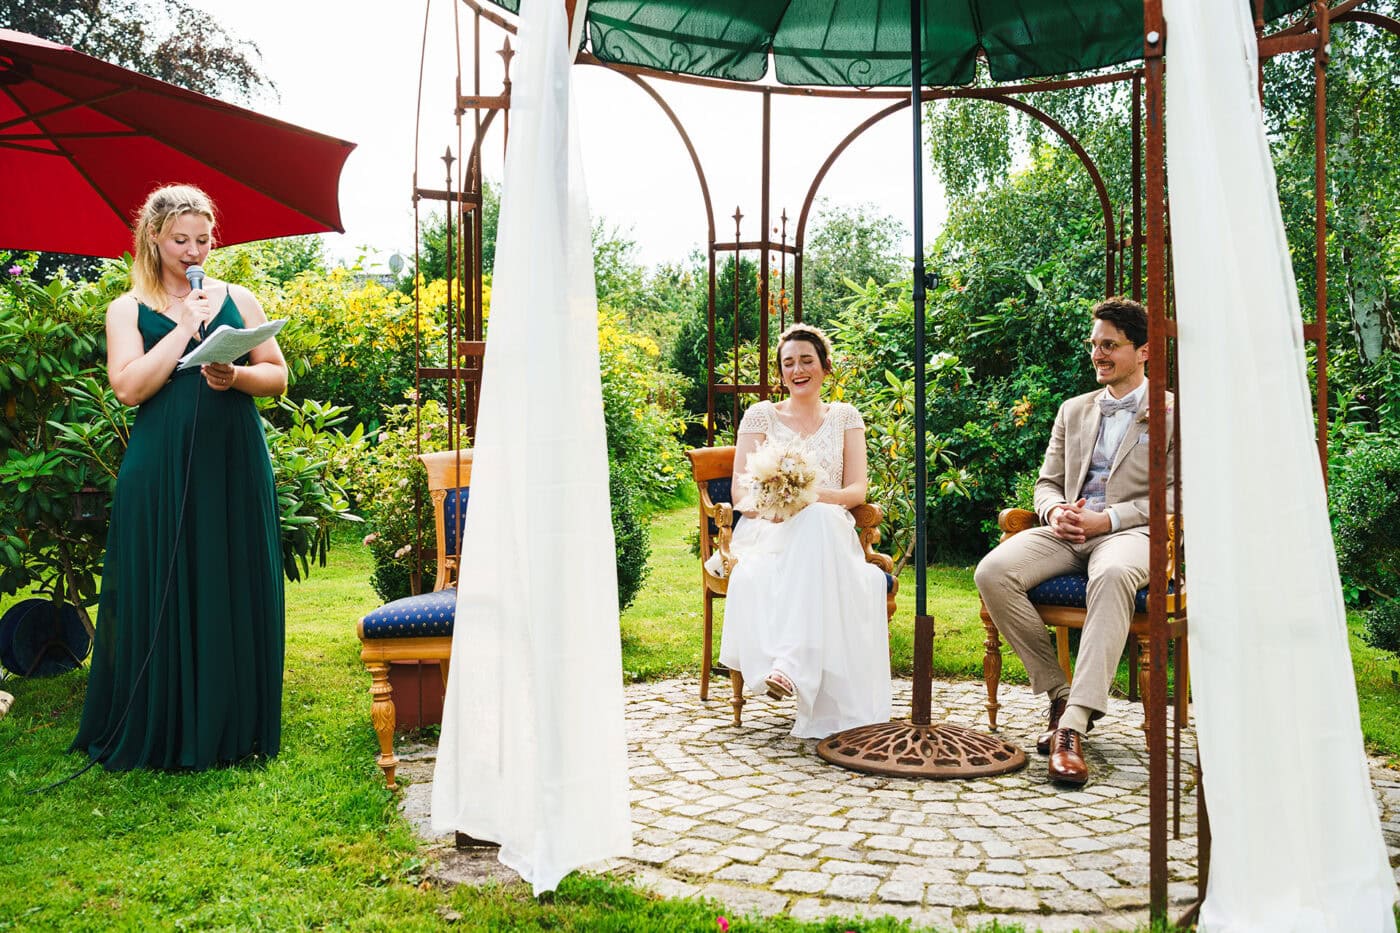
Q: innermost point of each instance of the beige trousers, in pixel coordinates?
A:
(1116, 564)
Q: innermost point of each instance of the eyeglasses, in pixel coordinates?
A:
(1106, 347)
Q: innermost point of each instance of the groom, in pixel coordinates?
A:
(1092, 501)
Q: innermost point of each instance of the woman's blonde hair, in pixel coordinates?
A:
(813, 335)
(163, 206)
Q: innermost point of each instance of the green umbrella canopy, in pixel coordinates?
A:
(865, 43)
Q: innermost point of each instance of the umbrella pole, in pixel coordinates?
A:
(918, 748)
(921, 703)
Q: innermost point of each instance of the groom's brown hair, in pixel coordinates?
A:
(1126, 315)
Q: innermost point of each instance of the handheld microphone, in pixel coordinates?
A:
(196, 276)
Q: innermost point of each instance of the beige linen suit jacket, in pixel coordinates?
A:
(1072, 446)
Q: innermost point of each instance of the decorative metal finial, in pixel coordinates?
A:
(506, 53)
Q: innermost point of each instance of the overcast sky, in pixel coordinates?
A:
(349, 68)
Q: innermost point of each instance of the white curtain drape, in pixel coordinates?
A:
(533, 753)
(1297, 841)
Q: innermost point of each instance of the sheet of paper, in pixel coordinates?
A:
(227, 344)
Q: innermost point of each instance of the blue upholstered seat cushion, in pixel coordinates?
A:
(889, 583)
(454, 513)
(1070, 589)
(722, 490)
(427, 615)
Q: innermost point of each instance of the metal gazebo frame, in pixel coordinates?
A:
(1131, 255)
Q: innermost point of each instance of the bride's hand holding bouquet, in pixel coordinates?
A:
(780, 481)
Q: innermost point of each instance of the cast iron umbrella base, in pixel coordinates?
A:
(904, 749)
(921, 748)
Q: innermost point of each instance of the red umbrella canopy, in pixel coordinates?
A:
(82, 143)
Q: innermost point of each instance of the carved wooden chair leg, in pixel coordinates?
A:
(709, 645)
(1062, 650)
(381, 713)
(1182, 692)
(991, 669)
(1144, 679)
(1133, 651)
(736, 680)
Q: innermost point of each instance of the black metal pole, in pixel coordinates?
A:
(921, 699)
(916, 29)
(919, 748)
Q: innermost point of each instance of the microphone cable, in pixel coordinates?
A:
(160, 614)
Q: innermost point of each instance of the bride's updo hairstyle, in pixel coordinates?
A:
(813, 335)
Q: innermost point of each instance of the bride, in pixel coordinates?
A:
(805, 614)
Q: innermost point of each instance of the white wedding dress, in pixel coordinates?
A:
(802, 599)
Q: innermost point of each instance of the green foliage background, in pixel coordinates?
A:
(62, 431)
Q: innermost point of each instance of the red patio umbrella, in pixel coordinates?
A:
(82, 142)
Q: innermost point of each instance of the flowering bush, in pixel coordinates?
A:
(351, 340)
(388, 485)
(642, 399)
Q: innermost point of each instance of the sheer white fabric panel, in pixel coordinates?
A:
(533, 753)
(1297, 841)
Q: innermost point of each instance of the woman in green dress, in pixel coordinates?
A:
(186, 671)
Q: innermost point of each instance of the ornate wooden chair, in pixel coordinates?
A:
(713, 470)
(419, 628)
(1061, 601)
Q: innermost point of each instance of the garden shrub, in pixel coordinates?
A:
(642, 411)
(52, 378)
(389, 486)
(689, 354)
(1365, 506)
(1383, 625)
(647, 467)
(631, 540)
(63, 431)
(985, 428)
(310, 496)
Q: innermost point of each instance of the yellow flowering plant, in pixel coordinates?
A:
(352, 340)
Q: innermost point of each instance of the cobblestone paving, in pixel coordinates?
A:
(751, 817)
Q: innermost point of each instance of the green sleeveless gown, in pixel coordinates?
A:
(211, 691)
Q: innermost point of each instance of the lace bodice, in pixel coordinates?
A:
(825, 445)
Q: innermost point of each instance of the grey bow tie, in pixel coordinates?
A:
(1110, 406)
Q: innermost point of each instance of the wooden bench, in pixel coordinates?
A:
(419, 628)
(713, 470)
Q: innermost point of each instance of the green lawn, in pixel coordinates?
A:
(662, 630)
(310, 840)
(313, 840)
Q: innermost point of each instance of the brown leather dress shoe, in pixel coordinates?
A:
(1067, 758)
(1057, 709)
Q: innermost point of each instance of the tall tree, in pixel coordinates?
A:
(848, 243)
(1363, 204)
(166, 39)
